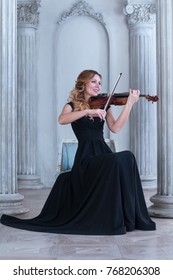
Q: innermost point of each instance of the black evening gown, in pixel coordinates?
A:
(101, 195)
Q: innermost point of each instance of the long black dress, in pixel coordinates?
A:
(101, 195)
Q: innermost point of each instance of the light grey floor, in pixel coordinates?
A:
(138, 245)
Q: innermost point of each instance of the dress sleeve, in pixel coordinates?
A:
(71, 104)
(109, 106)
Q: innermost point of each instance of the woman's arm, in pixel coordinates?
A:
(68, 115)
(116, 125)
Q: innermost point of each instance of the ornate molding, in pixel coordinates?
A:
(81, 8)
(28, 13)
(138, 13)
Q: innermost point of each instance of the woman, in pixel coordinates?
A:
(102, 194)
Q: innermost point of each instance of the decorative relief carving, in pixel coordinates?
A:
(28, 13)
(81, 8)
(137, 13)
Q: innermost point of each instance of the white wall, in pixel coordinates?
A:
(63, 51)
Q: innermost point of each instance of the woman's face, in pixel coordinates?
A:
(92, 87)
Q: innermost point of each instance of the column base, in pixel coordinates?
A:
(29, 182)
(163, 206)
(149, 182)
(12, 204)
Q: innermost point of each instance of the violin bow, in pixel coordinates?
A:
(107, 103)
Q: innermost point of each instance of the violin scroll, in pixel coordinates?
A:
(152, 98)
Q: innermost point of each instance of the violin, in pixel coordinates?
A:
(117, 99)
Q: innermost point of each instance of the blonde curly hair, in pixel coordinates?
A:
(77, 93)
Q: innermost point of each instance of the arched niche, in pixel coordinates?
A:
(81, 42)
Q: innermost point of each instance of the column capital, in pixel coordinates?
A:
(144, 14)
(28, 13)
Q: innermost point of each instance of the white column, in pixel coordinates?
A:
(143, 137)
(163, 200)
(27, 17)
(10, 199)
